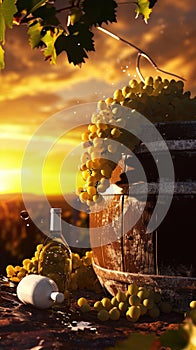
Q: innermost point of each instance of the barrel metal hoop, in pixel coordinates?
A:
(165, 187)
(173, 145)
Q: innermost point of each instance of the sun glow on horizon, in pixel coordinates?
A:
(9, 181)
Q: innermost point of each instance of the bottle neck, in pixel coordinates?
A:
(55, 221)
(56, 227)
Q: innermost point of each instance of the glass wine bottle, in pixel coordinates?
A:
(55, 257)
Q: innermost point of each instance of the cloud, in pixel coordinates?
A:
(26, 71)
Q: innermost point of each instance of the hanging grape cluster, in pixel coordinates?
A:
(102, 149)
(157, 99)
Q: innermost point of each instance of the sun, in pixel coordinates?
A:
(4, 186)
(8, 181)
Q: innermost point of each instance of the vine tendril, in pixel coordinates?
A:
(140, 54)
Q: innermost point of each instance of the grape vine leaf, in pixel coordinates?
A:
(99, 11)
(144, 8)
(48, 14)
(2, 62)
(37, 5)
(7, 11)
(30, 5)
(69, 44)
(49, 39)
(34, 32)
(83, 35)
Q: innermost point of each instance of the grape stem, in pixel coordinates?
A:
(140, 54)
(73, 4)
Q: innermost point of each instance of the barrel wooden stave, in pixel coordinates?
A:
(123, 262)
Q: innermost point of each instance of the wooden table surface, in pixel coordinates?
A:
(22, 327)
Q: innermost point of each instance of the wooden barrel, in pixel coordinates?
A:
(166, 257)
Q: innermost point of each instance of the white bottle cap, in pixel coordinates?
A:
(57, 297)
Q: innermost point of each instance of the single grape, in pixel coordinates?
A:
(81, 301)
(133, 313)
(126, 90)
(85, 174)
(132, 288)
(114, 314)
(101, 105)
(149, 81)
(109, 100)
(134, 300)
(115, 132)
(118, 96)
(103, 315)
(85, 308)
(96, 198)
(123, 307)
(114, 301)
(91, 190)
(121, 296)
(106, 171)
(149, 303)
(143, 293)
(193, 304)
(106, 302)
(83, 197)
(133, 83)
(92, 128)
(98, 306)
(84, 136)
(10, 271)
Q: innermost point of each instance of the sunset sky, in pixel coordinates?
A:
(32, 90)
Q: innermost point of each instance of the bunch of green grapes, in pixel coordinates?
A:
(83, 275)
(132, 304)
(29, 266)
(103, 149)
(157, 99)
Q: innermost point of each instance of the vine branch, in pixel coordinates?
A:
(141, 53)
